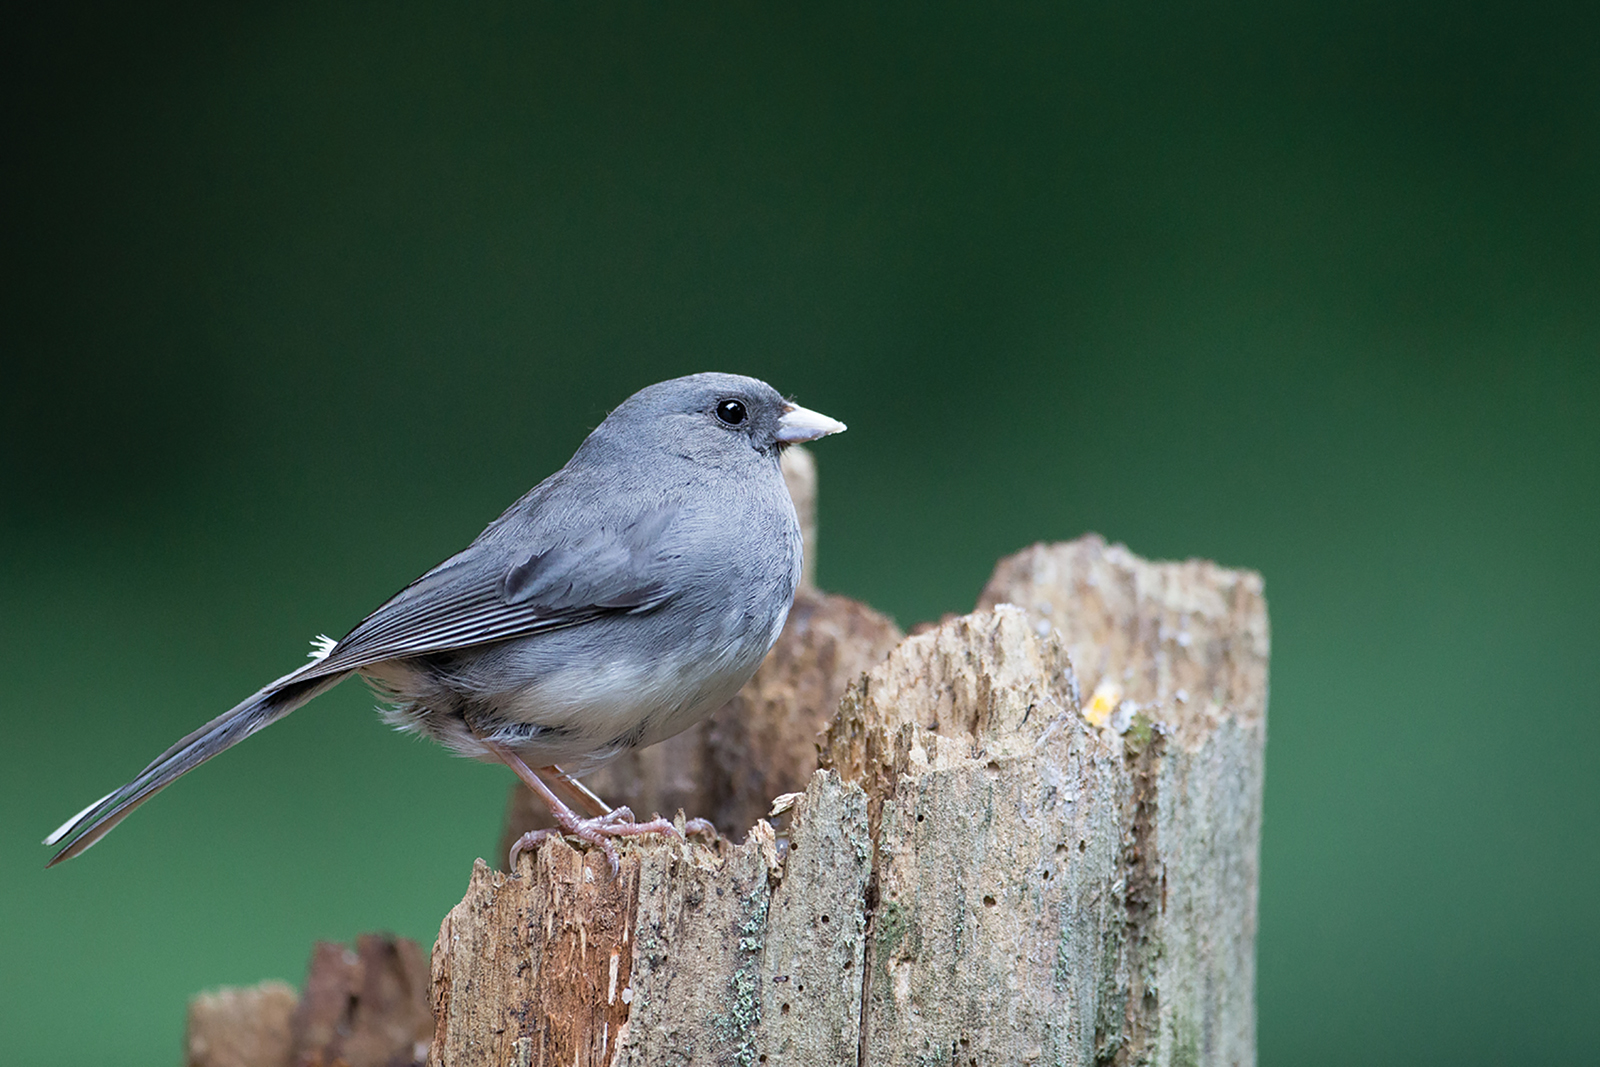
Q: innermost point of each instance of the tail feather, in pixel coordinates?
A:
(226, 730)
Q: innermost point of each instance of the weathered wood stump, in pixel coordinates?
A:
(1033, 838)
(362, 1007)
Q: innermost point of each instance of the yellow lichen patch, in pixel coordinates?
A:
(1107, 695)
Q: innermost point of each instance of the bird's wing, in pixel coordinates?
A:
(490, 593)
(520, 577)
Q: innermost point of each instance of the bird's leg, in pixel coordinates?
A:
(584, 797)
(576, 793)
(597, 831)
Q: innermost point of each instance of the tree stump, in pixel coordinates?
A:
(1033, 839)
(365, 1006)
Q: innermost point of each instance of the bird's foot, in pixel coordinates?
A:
(700, 828)
(619, 822)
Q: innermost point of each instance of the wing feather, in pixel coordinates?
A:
(487, 593)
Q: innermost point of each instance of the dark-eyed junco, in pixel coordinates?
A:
(622, 599)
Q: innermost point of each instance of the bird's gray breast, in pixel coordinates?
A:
(722, 572)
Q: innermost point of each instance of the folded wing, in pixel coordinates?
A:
(520, 578)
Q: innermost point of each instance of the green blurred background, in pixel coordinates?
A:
(297, 297)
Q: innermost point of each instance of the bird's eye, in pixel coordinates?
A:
(731, 412)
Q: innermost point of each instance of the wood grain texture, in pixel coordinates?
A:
(692, 955)
(1187, 644)
(800, 478)
(995, 935)
(1004, 858)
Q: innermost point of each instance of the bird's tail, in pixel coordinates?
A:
(226, 730)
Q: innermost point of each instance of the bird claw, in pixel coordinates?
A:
(619, 822)
(700, 828)
(617, 815)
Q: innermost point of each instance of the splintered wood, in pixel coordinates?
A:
(691, 955)
(1033, 839)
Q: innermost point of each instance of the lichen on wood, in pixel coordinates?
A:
(692, 955)
(1187, 645)
(978, 873)
(1032, 838)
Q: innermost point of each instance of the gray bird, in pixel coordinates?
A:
(624, 598)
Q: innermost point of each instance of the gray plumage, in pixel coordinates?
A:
(619, 601)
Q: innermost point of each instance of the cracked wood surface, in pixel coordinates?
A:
(1187, 646)
(692, 955)
(979, 874)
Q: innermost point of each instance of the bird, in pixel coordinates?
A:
(615, 604)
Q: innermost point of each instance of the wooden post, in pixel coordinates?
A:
(1032, 839)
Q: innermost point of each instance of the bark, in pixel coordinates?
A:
(362, 1007)
(241, 1027)
(1185, 646)
(1033, 839)
(691, 955)
(800, 476)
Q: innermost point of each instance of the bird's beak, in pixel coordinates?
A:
(802, 424)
